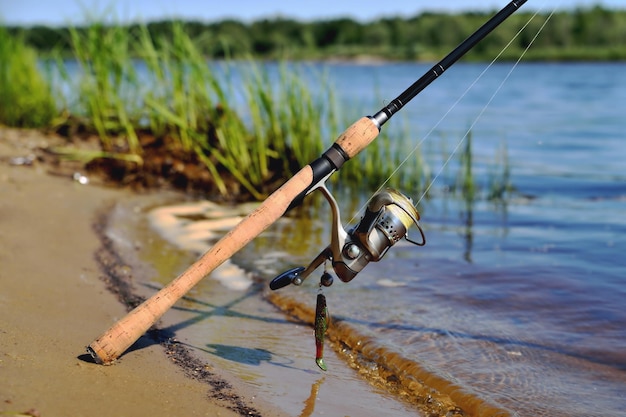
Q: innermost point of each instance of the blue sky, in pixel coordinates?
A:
(61, 12)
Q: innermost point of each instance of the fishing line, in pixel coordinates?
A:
(495, 93)
(461, 97)
(459, 346)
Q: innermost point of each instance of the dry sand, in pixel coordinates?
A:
(53, 303)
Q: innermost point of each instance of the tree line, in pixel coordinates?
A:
(594, 33)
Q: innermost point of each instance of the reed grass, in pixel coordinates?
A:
(183, 93)
(246, 120)
(107, 83)
(499, 185)
(466, 181)
(26, 99)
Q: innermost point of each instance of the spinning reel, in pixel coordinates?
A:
(388, 217)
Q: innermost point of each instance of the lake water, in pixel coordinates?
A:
(518, 305)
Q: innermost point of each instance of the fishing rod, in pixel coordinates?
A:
(388, 210)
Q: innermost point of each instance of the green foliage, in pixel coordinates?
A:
(498, 185)
(499, 182)
(26, 99)
(182, 101)
(180, 97)
(466, 181)
(187, 101)
(183, 93)
(107, 82)
(571, 34)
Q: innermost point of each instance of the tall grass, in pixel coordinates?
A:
(275, 130)
(107, 83)
(26, 99)
(499, 183)
(183, 93)
(286, 117)
(465, 180)
(251, 121)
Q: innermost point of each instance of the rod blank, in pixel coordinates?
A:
(440, 67)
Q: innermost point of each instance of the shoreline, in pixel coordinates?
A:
(348, 348)
(55, 300)
(162, 367)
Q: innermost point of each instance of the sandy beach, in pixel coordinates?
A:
(54, 301)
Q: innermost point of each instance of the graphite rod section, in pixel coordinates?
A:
(396, 104)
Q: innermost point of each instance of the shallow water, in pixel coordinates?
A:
(226, 321)
(519, 305)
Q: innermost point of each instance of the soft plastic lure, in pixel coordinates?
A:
(321, 324)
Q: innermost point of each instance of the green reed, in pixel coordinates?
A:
(188, 101)
(286, 118)
(26, 99)
(466, 181)
(107, 83)
(499, 183)
(182, 94)
(242, 119)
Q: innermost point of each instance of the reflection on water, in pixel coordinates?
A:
(486, 326)
(309, 403)
(468, 237)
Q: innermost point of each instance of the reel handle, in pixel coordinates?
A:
(296, 276)
(291, 276)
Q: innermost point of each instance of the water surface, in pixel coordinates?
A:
(517, 303)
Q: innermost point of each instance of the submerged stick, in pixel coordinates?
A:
(116, 340)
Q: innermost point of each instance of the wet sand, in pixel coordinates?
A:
(54, 302)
